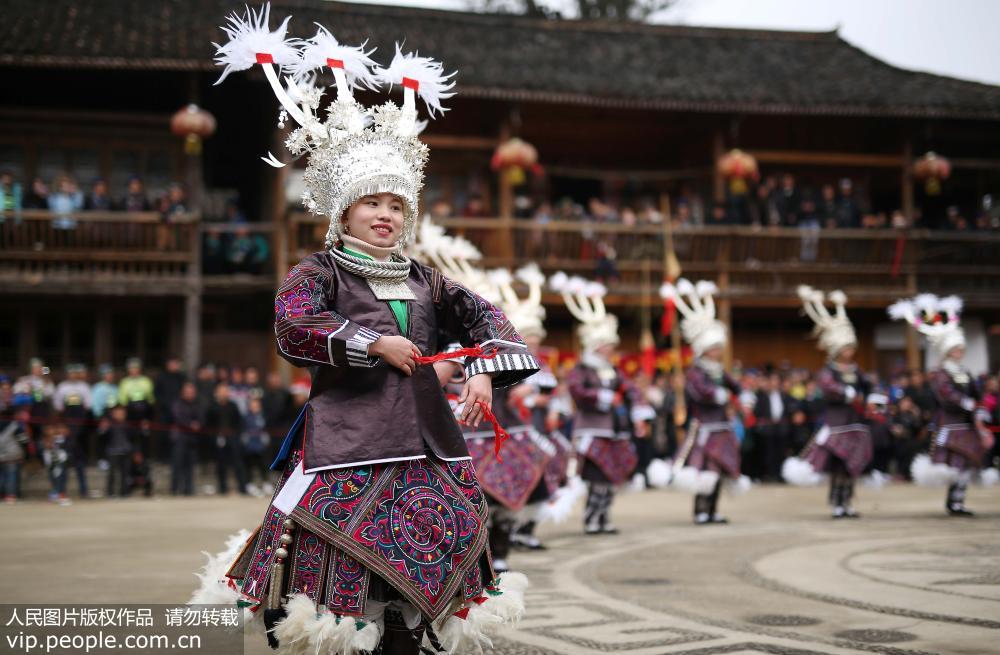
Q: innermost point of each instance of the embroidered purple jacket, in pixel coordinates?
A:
(843, 394)
(955, 397)
(707, 398)
(360, 410)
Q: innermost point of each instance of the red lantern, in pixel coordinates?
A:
(932, 169)
(194, 124)
(512, 157)
(739, 168)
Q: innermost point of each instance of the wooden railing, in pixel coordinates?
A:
(90, 249)
(749, 263)
(97, 246)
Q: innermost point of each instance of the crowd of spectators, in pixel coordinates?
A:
(65, 197)
(225, 419)
(228, 423)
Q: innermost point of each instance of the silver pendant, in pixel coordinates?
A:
(390, 289)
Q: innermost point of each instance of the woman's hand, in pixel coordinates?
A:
(396, 351)
(478, 389)
(447, 371)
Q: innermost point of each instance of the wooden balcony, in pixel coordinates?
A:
(117, 253)
(113, 253)
(751, 265)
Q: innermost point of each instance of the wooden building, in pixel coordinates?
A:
(630, 113)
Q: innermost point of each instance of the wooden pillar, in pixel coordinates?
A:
(913, 361)
(724, 304)
(192, 299)
(27, 337)
(718, 183)
(192, 330)
(505, 191)
(906, 186)
(102, 336)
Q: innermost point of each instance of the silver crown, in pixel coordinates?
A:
(356, 151)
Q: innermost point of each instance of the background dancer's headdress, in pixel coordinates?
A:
(939, 319)
(585, 301)
(834, 330)
(454, 256)
(696, 304)
(525, 314)
(356, 151)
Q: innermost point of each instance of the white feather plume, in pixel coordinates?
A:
(928, 473)
(692, 480)
(576, 285)
(838, 297)
(659, 473)
(799, 472)
(558, 508)
(706, 288)
(739, 486)
(668, 291)
(926, 302)
(595, 290)
(685, 287)
(434, 85)
(214, 588)
(358, 64)
(559, 281)
(250, 35)
(951, 305)
(901, 310)
(500, 276)
(531, 274)
(805, 292)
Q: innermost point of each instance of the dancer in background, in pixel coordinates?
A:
(842, 447)
(602, 428)
(960, 438)
(711, 450)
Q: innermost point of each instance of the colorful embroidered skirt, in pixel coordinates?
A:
(846, 445)
(958, 445)
(414, 528)
(610, 460)
(509, 482)
(557, 468)
(716, 449)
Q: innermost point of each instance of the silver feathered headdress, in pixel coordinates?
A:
(526, 314)
(585, 301)
(939, 319)
(834, 330)
(356, 151)
(696, 304)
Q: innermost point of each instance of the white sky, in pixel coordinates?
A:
(949, 37)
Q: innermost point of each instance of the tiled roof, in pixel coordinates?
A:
(511, 57)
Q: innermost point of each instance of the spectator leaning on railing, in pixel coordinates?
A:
(11, 196)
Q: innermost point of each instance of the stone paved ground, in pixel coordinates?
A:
(782, 578)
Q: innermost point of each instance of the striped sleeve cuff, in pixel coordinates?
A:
(357, 348)
(506, 368)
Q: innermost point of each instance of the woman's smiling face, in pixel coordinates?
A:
(376, 219)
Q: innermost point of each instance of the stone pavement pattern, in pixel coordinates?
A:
(782, 578)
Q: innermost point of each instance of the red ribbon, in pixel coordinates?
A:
(500, 436)
(335, 63)
(410, 83)
(264, 58)
(476, 351)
